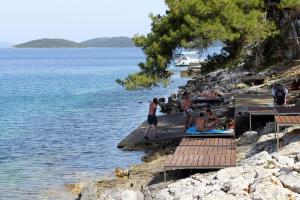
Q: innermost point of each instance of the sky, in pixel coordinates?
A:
(77, 20)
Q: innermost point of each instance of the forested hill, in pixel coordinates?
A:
(61, 43)
(49, 43)
(109, 42)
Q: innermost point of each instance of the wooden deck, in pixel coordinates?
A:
(210, 161)
(199, 150)
(202, 153)
(207, 142)
(285, 121)
(289, 120)
(294, 110)
(261, 110)
(253, 100)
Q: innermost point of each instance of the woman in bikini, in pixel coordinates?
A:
(200, 123)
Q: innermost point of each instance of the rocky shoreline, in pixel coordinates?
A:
(261, 173)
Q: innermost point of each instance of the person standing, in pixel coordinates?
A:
(280, 94)
(152, 118)
(186, 107)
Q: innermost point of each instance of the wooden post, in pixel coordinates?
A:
(165, 175)
(277, 138)
(250, 122)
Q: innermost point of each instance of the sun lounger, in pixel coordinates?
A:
(192, 132)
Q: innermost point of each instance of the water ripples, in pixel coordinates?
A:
(60, 121)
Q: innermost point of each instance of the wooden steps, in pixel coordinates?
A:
(202, 153)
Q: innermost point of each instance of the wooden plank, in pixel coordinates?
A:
(222, 160)
(284, 119)
(217, 160)
(179, 160)
(177, 150)
(211, 142)
(214, 150)
(200, 141)
(298, 119)
(206, 160)
(195, 160)
(227, 160)
(190, 160)
(211, 160)
(200, 160)
(294, 120)
(174, 160)
(277, 119)
(191, 149)
(289, 119)
(184, 160)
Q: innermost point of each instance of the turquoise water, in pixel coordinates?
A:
(62, 116)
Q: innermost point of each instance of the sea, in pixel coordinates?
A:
(62, 115)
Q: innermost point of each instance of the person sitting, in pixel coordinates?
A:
(211, 118)
(230, 124)
(200, 123)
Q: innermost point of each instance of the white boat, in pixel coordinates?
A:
(195, 66)
(185, 60)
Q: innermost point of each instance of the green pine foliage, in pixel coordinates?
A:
(198, 24)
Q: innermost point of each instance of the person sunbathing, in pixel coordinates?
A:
(212, 119)
(230, 124)
(200, 123)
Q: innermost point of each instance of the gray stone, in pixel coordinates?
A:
(261, 158)
(291, 181)
(270, 189)
(121, 194)
(248, 138)
(89, 192)
(161, 100)
(283, 160)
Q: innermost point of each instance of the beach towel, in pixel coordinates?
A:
(193, 131)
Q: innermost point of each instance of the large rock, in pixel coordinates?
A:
(269, 128)
(264, 143)
(261, 158)
(291, 181)
(270, 188)
(248, 137)
(121, 194)
(89, 192)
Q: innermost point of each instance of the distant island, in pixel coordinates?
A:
(109, 42)
(62, 43)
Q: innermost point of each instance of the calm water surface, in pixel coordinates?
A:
(62, 116)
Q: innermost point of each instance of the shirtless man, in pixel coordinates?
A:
(186, 107)
(200, 123)
(152, 119)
